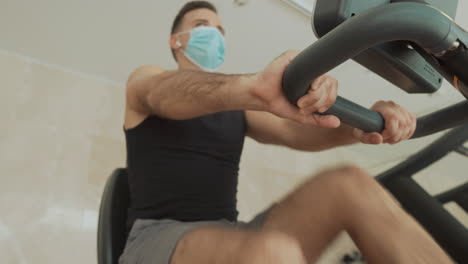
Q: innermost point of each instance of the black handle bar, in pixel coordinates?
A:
(422, 24)
(356, 115)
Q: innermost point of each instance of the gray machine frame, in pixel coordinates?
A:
(397, 61)
(433, 34)
(413, 44)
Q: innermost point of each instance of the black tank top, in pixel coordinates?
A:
(185, 170)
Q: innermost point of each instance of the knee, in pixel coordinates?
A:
(352, 178)
(345, 179)
(349, 185)
(272, 248)
(357, 191)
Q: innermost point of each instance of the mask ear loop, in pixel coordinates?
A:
(178, 43)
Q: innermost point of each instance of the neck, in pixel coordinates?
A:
(185, 64)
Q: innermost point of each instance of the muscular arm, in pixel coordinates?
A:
(186, 94)
(270, 129)
(399, 125)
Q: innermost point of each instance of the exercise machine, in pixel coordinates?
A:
(413, 44)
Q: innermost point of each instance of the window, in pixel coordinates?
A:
(305, 6)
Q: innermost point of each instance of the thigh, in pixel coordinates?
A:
(225, 242)
(155, 241)
(214, 245)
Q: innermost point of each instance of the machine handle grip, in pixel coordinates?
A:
(357, 116)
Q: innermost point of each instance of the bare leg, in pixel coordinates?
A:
(349, 199)
(299, 228)
(235, 246)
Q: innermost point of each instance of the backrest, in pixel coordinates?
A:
(113, 218)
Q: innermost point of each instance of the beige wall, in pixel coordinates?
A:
(61, 136)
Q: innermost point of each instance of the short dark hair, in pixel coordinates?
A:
(184, 10)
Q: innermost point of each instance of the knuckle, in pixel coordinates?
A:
(335, 91)
(325, 84)
(378, 105)
(391, 117)
(401, 122)
(409, 134)
(315, 97)
(409, 123)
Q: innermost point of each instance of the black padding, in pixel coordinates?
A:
(113, 217)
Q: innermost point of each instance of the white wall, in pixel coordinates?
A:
(110, 37)
(63, 65)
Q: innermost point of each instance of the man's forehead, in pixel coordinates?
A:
(202, 14)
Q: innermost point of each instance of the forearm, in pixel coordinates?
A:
(312, 138)
(187, 94)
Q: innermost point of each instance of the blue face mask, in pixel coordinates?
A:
(205, 48)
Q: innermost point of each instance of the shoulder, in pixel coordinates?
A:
(143, 72)
(139, 81)
(138, 85)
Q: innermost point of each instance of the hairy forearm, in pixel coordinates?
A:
(187, 94)
(311, 138)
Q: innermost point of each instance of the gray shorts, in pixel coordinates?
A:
(154, 241)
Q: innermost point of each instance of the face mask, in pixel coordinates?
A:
(205, 48)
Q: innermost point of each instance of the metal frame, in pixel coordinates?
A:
(428, 210)
(424, 26)
(440, 45)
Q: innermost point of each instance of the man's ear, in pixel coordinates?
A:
(175, 42)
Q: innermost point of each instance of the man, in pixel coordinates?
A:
(185, 131)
